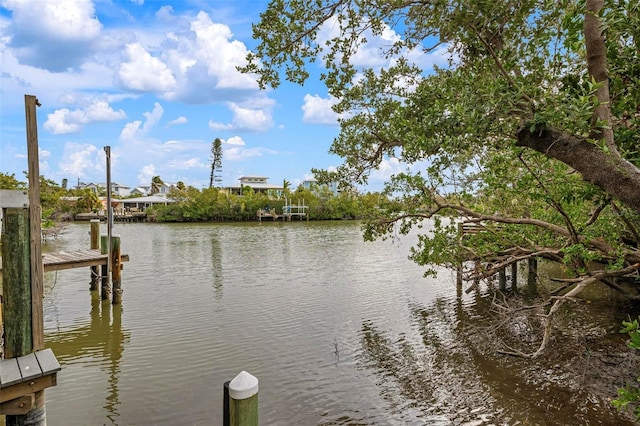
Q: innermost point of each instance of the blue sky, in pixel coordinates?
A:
(156, 80)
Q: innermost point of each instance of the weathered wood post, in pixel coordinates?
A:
(116, 265)
(95, 245)
(514, 276)
(243, 400)
(105, 289)
(18, 308)
(502, 279)
(532, 272)
(16, 287)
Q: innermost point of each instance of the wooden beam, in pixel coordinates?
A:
(18, 406)
(25, 388)
(74, 259)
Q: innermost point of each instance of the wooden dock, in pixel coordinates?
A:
(74, 259)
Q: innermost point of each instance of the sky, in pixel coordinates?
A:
(156, 80)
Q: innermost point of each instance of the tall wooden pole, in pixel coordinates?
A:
(107, 150)
(35, 217)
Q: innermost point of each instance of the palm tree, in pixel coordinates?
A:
(156, 184)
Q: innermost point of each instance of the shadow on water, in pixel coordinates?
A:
(447, 370)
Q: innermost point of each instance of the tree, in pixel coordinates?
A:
(9, 181)
(156, 184)
(531, 129)
(216, 162)
(88, 201)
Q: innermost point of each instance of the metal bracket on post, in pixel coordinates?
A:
(14, 199)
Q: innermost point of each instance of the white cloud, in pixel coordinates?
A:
(317, 110)
(179, 120)
(147, 172)
(53, 34)
(240, 154)
(245, 119)
(234, 140)
(65, 121)
(185, 164)
(136, 130)
(81, 160)
(144, 72)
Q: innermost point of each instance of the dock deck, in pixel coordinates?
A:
(60, 260)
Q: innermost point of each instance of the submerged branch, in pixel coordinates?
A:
(560, 300)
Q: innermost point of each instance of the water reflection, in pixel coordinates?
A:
(446, 371)
(216, 267)
(101, 342)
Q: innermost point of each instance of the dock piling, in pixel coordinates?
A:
(116, 267)
(95, 245)
(105, 291)
(243, 400)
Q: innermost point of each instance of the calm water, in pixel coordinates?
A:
(338, 331)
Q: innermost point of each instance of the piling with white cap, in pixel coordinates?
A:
(243, 400)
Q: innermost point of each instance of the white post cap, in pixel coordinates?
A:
(243, 386)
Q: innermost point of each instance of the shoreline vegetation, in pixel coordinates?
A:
(189, 204)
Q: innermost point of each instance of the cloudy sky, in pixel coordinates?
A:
(156, 80)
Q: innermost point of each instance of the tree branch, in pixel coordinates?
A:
(614, 175)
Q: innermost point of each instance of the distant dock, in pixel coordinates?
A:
(117, 216)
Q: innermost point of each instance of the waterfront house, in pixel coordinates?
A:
(258, 184)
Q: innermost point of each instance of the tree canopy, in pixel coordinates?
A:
(531, 129)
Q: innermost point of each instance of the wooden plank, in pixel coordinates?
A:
(25, 388)
(9, 372)
(48, 362)
(18, 406)
(29, 367)
(76, 259)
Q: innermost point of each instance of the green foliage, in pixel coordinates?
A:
(9, 181)
(88, 201)
(213, 204)
(630, 395)
(514, 65)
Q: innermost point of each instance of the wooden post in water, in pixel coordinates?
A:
(105, 289)
(243, 400)
(225, 404)
(514, 276)
(116, 266)
(502, 279)
(95, 245)
(532, 272)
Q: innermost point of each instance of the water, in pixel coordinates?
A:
(337, 330)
